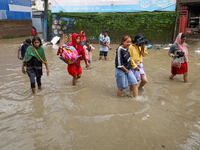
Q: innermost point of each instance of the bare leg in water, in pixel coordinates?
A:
(33, 90)
(108, 46)
(185, 77)
(119, 93)
(172, 76)
(104, 42)
(143, 80)
(134, 88)
(75, 78)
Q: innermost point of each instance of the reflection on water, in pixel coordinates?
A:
(89, 115)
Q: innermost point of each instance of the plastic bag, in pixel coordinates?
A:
(176, 63)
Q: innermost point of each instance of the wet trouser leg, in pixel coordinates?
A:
(39, 81)
(32, 80)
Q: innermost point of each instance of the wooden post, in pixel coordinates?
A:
(177, 13)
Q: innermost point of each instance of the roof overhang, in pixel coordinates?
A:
(189, 1)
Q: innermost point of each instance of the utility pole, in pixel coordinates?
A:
(45, 19)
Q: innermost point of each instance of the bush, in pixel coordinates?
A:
(156, 26)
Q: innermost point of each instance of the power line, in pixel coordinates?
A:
(59, 6)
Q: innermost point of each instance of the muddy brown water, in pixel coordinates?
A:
(89, 116)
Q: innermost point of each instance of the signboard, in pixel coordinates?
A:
(112, 5)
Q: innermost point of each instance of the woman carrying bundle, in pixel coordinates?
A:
(75, 68)
(179, 49)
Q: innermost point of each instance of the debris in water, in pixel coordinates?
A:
(163, 103)
(166, 48)
(190, 104)
(163, 146)
(133, 114)
(198, 50)
(55, 40)
(147, 115)
(198, 64)
(149, 46)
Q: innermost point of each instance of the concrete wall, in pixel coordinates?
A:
(15, 28)
(39, 5)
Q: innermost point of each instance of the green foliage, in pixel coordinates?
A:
(156, 26)
(49, 24)
(11, 37)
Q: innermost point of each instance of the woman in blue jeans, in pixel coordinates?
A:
(124, 75)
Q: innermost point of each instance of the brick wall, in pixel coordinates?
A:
(15, 28)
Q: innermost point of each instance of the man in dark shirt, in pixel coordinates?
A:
(23, 48)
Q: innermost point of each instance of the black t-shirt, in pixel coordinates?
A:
(23, 49)
(123, 58)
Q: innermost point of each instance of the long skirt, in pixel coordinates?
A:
(183, 69)
(74, 70)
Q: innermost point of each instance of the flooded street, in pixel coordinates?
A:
(89, 116)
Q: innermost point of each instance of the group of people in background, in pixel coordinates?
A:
(128, 62)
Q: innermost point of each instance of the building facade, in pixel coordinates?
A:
(38, 5)
(15, 18)
(190, 15)
(37, 13)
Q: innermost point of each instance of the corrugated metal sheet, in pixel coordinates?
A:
(15, 2)
(37, 23)
(4, 5)
(18, 15)
(3, 14)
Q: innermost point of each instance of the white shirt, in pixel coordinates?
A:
(104, 48)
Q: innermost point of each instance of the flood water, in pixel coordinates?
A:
(89, 116)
